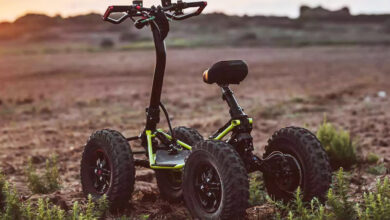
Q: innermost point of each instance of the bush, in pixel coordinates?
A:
(12, 208)
(338, 145)
(372, 158)
(48, 182)
(376, 205)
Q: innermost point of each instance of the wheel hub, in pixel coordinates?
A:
(285, 169)
(208, 188)
(101, 172)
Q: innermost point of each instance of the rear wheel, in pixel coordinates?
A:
(107, 168)
(305, 165)
(215, 182)
(169, 181)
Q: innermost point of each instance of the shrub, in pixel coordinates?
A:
(257, 194)
(374, 205)
(12, 208)
(372, 158)
(48, 182)
(338, 145)
(338, 198)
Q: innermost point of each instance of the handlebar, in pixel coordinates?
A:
(138, 11)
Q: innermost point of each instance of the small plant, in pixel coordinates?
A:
(338, 198)
(372, 158)
(12, 208)
(376, 205)
(47, 183)
(297, 209)
(379, 169)
(257, 194)
(338, 145)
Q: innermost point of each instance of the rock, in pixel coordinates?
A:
(144, 175)
(37, 159)
(383, 143)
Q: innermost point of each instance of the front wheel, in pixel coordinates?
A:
(107, 168)
(169, 181)
(308, 166)
(215, 182)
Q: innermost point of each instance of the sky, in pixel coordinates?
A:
(11, 9)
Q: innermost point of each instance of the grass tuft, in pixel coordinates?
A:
(338, 145)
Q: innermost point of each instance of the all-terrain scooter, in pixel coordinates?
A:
(210, 175)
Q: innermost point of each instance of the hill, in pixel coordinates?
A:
(314, 26)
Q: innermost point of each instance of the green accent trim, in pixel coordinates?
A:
(177, 167)
(181, 143)
(152, 157)
(233, 124)
(148, 19)
(250, 120)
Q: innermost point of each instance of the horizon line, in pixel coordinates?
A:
(213, 12)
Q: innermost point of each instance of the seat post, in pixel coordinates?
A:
(235, 109)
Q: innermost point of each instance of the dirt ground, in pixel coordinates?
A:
(51, 103)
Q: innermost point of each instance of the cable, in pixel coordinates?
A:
(168, 120)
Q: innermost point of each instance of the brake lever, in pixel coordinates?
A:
(185, 16)
(117, 21)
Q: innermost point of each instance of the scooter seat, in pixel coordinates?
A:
(226, 72)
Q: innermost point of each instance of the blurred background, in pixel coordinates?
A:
(64, 73)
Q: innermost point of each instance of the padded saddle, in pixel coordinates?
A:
(226, 72)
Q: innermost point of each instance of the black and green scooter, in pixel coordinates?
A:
(210, 175)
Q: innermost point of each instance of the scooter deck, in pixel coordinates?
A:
(168, 159)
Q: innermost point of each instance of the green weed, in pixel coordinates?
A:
(12, 208)
(379, 169)
(338, 145)
(257, 193)
(374, 205)
(48, 182)
(372, 158)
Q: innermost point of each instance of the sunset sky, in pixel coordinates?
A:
(11, 9)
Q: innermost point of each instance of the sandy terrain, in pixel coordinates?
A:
(51, 103)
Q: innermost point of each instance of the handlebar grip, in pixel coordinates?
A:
(196, 4)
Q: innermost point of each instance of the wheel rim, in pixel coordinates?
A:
(290, 175)
(100, 172)
(208, 188)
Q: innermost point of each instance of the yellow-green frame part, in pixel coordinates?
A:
(181, 143)
(152, 156)
(233, 124)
